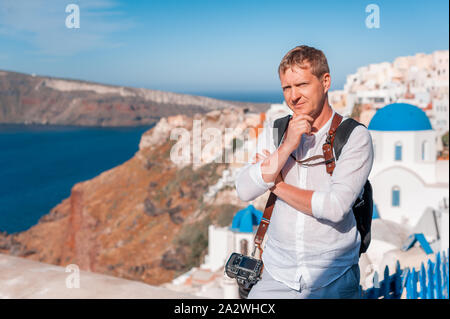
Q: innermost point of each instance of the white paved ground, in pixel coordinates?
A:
(23, 278)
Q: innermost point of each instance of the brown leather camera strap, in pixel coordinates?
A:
(264, 223)
(330, 164)
(306, 163)
(327, 148)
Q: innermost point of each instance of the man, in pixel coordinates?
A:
(312, 247)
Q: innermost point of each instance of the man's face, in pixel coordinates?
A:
(303, 91)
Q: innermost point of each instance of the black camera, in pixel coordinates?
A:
(245, 269)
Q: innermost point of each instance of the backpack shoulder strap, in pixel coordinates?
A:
(279, 128)
(342, 134)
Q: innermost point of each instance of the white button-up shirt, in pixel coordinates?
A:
(312, 251)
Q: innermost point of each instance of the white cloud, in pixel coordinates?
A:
(42, 24)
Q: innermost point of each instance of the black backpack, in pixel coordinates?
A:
(363, 206)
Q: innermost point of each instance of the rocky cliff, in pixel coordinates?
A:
(147, 218)
(46, 100)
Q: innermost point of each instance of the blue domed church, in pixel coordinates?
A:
(400, 117)
(406, 175)
(246, 220)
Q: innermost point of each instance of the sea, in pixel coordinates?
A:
(39, 164)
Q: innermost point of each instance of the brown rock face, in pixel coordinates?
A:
(45, 100)
(143, 220)
(81, 240)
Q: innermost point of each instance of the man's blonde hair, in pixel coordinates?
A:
(305, 57)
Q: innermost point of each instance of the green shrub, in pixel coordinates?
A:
(445, 140)
(194, 237)
(225, 214)
(237, 143)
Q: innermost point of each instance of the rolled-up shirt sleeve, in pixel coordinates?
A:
(249, 182)
(348, 179)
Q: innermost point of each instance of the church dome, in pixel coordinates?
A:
(245, 219)
(400, 117)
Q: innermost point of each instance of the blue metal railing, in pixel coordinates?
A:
(431, 282)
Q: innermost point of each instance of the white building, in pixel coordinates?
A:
(408, 183)
(406, 177)
(440, 115)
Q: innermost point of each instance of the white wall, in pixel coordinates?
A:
(217, 247)
(384, 144)
(415, 196)
(222, 242)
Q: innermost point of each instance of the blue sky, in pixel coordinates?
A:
(209, 46)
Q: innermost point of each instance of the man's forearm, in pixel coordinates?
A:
(272, 165)
(296, 197)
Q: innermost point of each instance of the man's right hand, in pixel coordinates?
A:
(299, 124)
